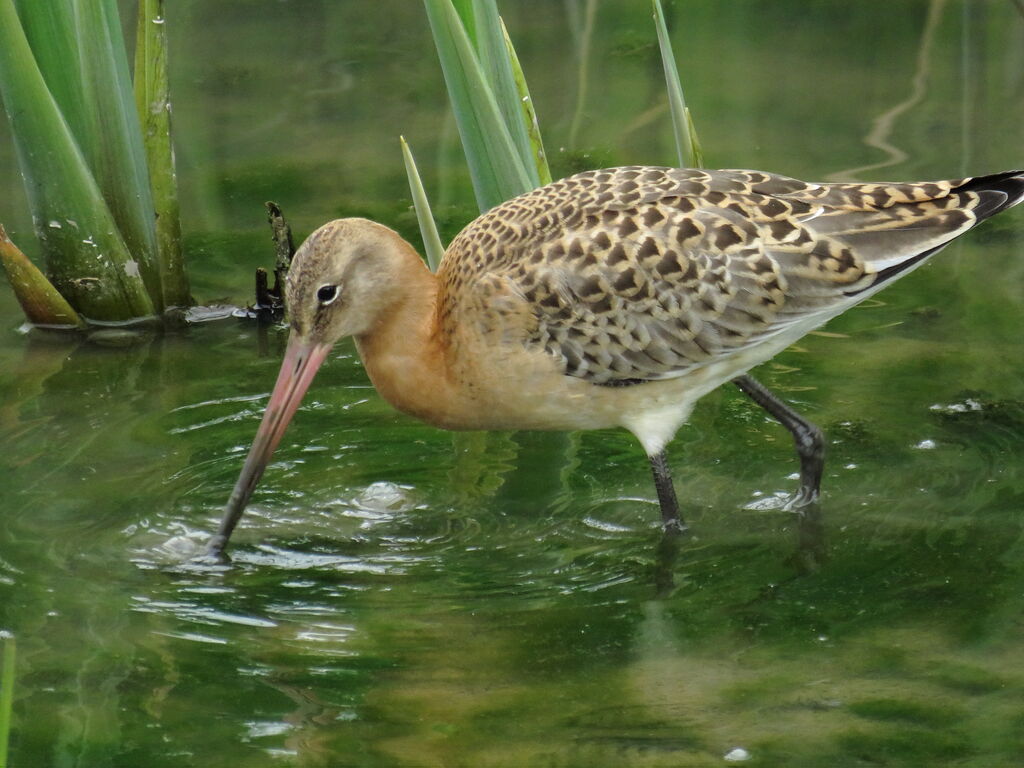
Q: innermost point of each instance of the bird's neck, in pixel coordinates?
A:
(403, 353)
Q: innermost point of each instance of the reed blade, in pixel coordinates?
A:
(495, 163)
(153, 105)
(50, 30)
(529, 114)
(88, 260)
(492, 48)
(113, 145)
(688, 148)
(467, 14)
(432, 246)
(696, 151)
(7, 670)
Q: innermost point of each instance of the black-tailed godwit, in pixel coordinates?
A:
(613, 298)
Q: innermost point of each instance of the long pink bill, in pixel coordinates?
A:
(301, 361)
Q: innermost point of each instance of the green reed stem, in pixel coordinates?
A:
(428, 228)
(6, 696)
(688, 148)
(153, 104)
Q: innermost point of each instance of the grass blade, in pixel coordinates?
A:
(428, 228)
(79, 49)
(113, 144)
(492, 47)
(467, 14)
(540, 158)
(495, 164)
(50, 29)
(88, 260)
(152, 103)
(40, 301)
(687, 146)
(6, 695)
(696, 151)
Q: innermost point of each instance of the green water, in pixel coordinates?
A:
(403, 598)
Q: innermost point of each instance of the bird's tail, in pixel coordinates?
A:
(944, 218)
(997, 192)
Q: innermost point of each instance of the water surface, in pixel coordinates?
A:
(403, 597)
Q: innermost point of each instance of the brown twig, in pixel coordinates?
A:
(284, 248)
(264, 299)
(270, 302)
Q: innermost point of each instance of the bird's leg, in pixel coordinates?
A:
(809, 439)
(665, 556)
(671, 522)
(811, 549)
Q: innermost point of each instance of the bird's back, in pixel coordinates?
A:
(643, 273)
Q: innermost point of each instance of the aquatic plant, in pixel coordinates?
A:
(477, 63)
(687, 146)
(497, 123)
(432, 246)
(101, 190)
(6, 695)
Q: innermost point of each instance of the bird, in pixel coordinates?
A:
(613, 298)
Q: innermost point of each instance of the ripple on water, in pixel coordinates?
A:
(171, 540)
(535, 561)
(263, 728)
(197, 613)
(296, 560)
(762, 502)
(319, 550)
(8, 573)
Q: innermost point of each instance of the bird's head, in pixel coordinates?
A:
(343, 279)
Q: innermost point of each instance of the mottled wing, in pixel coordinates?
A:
(643, 273)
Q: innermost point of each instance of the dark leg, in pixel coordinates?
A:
(670, 519)
(665, 556)
(810, 442)
(811, 549)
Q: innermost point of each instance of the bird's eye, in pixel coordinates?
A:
(325, 294)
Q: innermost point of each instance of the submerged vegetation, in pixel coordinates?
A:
(102, 191)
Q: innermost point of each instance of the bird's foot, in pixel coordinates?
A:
(215, 551)
(674, 527)
(805, 498)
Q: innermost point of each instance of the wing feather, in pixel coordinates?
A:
(643, 273)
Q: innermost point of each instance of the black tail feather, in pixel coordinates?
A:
(998, 192)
